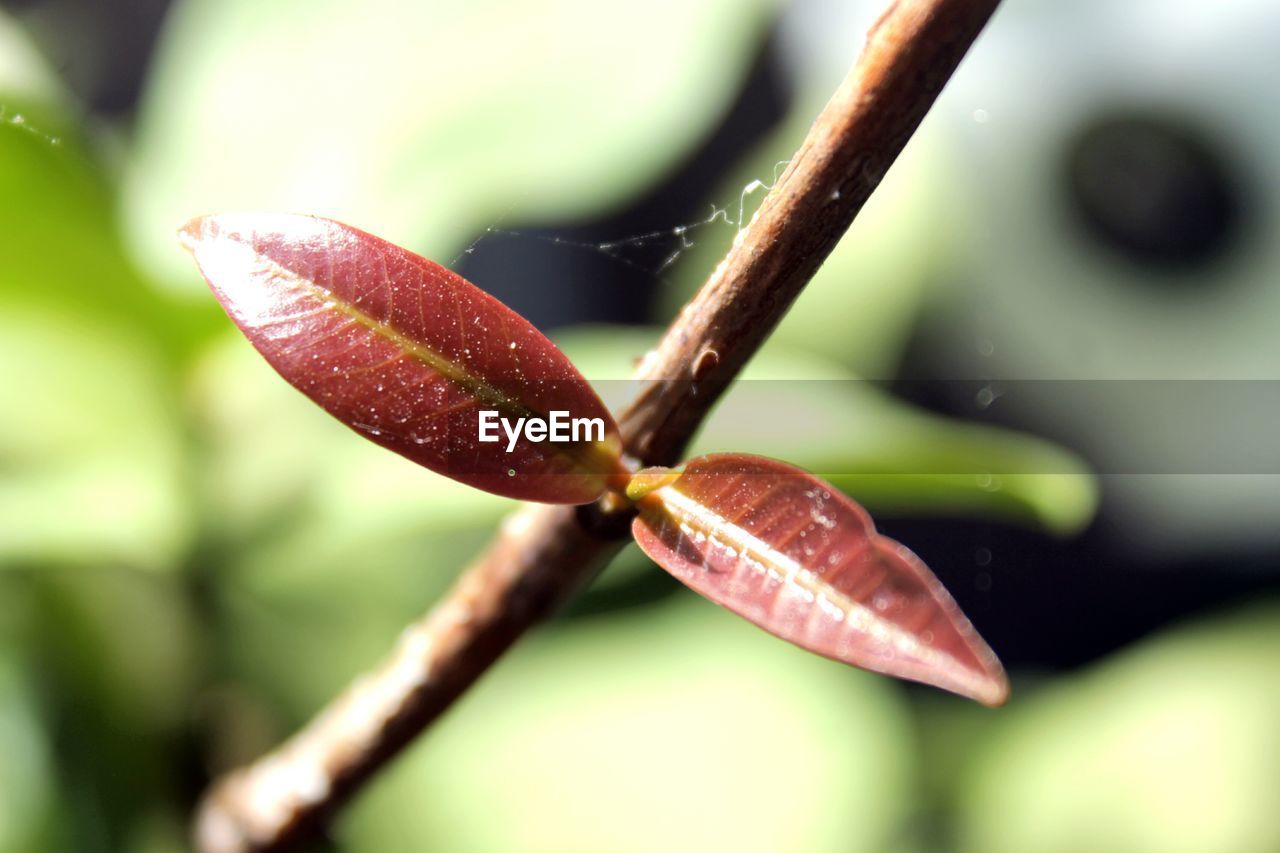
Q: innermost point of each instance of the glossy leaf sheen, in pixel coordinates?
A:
(403, 351)
(793, 555)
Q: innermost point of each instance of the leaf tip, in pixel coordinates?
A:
(191, 233)
(994, 691)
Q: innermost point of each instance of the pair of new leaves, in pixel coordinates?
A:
(408, 354)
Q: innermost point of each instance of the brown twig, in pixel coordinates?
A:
(544, 554)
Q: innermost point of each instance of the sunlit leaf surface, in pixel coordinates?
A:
(404, 351)
(791, 554)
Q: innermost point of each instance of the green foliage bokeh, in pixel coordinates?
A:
(193, 558)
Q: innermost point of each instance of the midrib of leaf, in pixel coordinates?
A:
(704, 521)
(450, 370)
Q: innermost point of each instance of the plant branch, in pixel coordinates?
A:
(544, 554)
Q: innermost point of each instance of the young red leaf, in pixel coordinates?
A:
(407, 353)
(796, 557)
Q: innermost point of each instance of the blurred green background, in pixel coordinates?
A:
(193, 558)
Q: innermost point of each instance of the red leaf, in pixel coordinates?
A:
(404, 351)
(796, 557)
